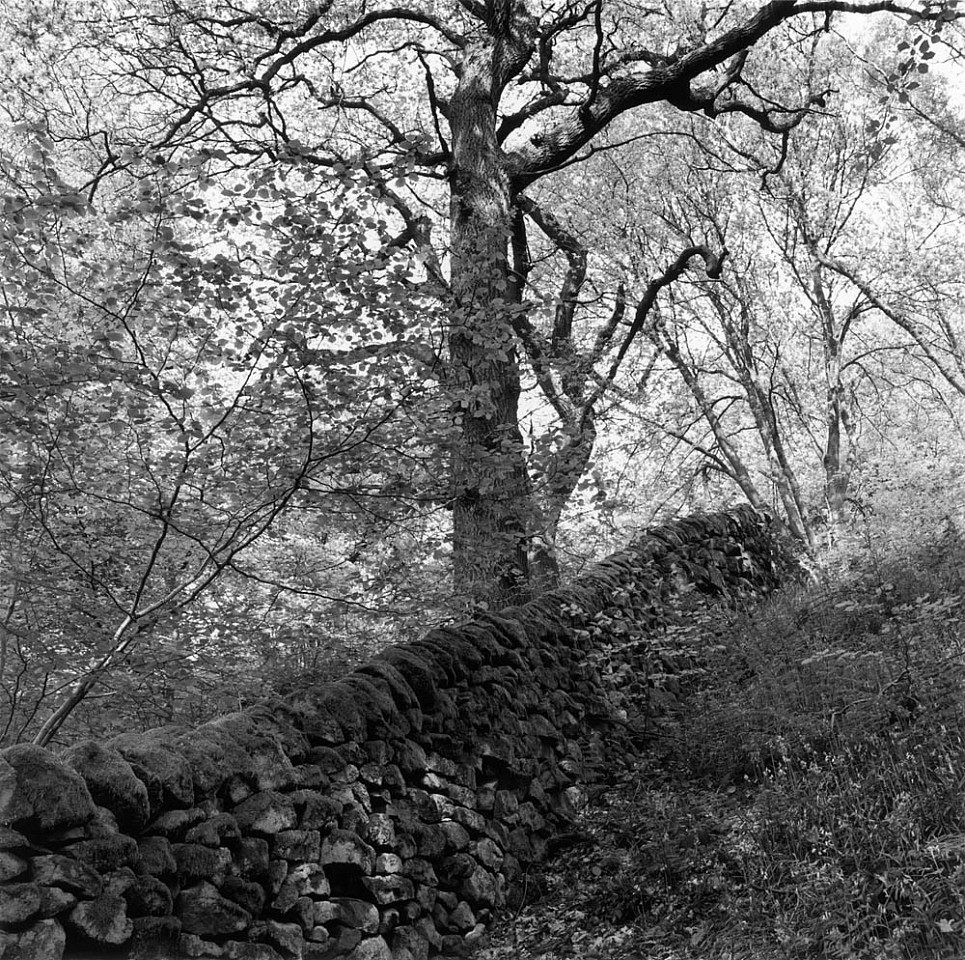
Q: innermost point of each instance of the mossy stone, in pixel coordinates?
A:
(149, 896)
(155, 937)
(170, 769)
(19, 901)
(266, 764)
(44, 940)
(105, 854)
(403, 694)
(56, 870)
(417, 671)
(336, 704)
(39, 789)
(103, 920)
(112, 783)
(155, 857)
(195, 861)
(205, 912)
(267, 812)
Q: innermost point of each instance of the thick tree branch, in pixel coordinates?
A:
(576, 255)
(626, 88)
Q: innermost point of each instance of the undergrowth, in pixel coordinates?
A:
(806, 798)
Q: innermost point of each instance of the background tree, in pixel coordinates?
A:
(508, 96)
(751, 348)
(345, 239)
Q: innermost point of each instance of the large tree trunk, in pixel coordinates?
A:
(838, 449)
(837, 457)
(492, 497)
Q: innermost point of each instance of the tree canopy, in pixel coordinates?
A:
(345, 307)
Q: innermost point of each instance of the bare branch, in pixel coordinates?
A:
(902, 320)
(713, 265)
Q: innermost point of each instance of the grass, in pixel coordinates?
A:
(805, 799)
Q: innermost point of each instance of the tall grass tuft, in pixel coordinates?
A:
(840, 706)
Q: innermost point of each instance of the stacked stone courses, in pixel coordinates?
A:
(385, 816)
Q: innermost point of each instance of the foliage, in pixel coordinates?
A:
(785, 375)
(311, 312)
(805, 800)
(862, 850)
(170, 399)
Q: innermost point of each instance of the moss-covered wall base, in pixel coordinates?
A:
(382, 817)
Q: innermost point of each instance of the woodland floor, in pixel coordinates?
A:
(594, 900)
(653, 868)
(805, 800)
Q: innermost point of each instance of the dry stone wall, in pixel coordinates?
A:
(386, 816)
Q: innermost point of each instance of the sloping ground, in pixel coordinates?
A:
(654, 866)
(656, 873)
(806, 799)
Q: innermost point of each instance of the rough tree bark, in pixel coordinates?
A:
(491, 495)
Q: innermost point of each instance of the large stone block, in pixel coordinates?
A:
(149, 896)
(56, 870)
(303, 880)
(421, 871)
(103, 920)
(328, 714)
(252, 856)
(38, 789)
(353, 913)
(247, 894)
(164, 771)
(112, 783)
(214, 831)
(298, 846)
(44, 940)
(174, 824)
(245, 950)
(455, 835)
(19, 902)
(315, 809)
(209, 761)
(55, 901)
(389, 889)
(374, 700)
(388, 863)
(288, 937)
(267, 812)
(268, 743)
(415, 942)
(155, 938)
(206, 913)
(105, 853)
(480, 888)
(195, 861)
(373, 948)
(381, 830)
(190, 945)
(347, 849)
(155, 857)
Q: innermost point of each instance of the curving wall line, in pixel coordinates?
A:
(386, 816)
